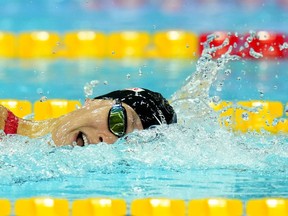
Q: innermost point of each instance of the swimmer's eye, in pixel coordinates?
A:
(117, 119)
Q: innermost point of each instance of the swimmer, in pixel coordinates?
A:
(102, 119)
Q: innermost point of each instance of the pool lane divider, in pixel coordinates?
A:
(50, 206)
(140, 44)
(241, 116)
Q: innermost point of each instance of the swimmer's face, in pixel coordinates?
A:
(89, 125)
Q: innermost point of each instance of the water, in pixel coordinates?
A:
(193, 159)
(36, 78)
(171, 162)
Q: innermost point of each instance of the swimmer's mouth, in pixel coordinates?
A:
(82, 139)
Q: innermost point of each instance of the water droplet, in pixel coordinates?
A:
(94, 82)
(246, 45)
(238, 78)
(228, 120)
(249, 39)
(105, 82)
(43, 98)
(219, 87)
(275, 87)
(140, 72)
(245, 116)
(128, 76)
(216, 99)
(88, 88)
(271, 49)
(113, 52)
(255, 54)
(286, 109)
(261, 93)
(283, 46)
(227, 72)
(197, 100)
(275, 122)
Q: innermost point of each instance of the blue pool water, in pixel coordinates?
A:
(67, 78)
(193, 159)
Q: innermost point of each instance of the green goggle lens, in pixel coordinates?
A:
(117, 120)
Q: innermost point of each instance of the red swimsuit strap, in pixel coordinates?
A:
(11, 123)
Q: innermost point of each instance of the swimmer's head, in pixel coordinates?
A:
(151, 107)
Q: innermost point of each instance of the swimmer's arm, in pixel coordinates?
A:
(34, 129)
(28, 128)
(3, 116)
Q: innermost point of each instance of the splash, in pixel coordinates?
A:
(89, 87)
(160, 160)
(193, 97)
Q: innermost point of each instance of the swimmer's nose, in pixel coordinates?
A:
(101, 139)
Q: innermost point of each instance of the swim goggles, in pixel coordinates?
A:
(117, 119)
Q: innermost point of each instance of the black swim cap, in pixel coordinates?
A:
(151, 107)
